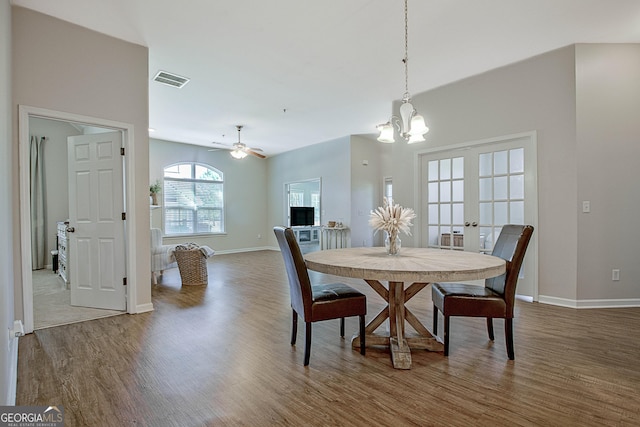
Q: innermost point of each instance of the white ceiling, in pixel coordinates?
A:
(296, 73)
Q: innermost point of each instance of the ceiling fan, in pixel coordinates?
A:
(238, 149)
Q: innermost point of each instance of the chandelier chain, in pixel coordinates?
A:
(406, 50)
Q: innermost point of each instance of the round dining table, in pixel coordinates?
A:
(416, 267)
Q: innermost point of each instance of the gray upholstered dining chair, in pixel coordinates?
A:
(494, 300)
(317, 302)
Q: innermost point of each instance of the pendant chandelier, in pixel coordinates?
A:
(410, 125)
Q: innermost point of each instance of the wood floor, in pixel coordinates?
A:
(220, 356)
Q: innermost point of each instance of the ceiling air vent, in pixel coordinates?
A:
(171, 79)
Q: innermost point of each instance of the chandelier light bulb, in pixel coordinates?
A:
(418, 127)
(386, 133)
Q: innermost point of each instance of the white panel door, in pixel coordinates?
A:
(96, 228)
(469, 193)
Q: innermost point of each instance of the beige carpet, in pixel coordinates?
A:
(52, 303)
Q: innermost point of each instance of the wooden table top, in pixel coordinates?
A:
(411, 265)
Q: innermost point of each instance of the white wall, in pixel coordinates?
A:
(63, 67)
(593, 158)
(608, 150)
(245, 194)
(367, 187)
(8, 346)
(329, 161)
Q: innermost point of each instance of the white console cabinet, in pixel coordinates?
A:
(63, 252)
(307, 234)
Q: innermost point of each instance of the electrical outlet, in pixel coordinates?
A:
(586, 206)
(615, 274)
(259, 236)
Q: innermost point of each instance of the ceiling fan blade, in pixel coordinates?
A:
(253, 153)
(221, 143)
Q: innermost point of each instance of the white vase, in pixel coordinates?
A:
(392, 243)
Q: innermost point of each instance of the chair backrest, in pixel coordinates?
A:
(510, 246)
(299, 283)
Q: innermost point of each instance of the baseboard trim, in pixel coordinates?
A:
(13, 372)
(590, 303)
(143, 308)
(237, 251)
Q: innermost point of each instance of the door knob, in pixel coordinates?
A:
(70, 229)
(474, 224)
(466, 224)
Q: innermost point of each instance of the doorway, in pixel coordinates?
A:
(26, 113)
(468, 192)
(53, 289)
(304, 195)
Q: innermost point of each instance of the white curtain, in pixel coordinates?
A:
(38, 250)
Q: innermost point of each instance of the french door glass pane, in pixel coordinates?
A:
(516, 187)
(433, 235)
(485, 164)
(500, 188)
(500, 163)
(445, 169)
(501, 213)
(486, 189)
(445, 191)
(516, 160)
(433, 170)
(458, 213)
(516, 212)
(433, 214)
(433, 192)
(486, 213)
(445, 207)
(457, 193)
(458, 168)
(445, 213)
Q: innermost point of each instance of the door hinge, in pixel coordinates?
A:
(124, 216)
(124, 281)
(122, 151)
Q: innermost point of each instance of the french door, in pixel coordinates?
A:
(468, 193)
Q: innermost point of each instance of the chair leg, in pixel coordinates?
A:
(342, 327)
(363, 347)
(435, 320)
(490, 328)
(508, 333)
(294, 328)
(307, 343)
(446, 335)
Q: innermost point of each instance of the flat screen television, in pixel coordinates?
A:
(302, 216)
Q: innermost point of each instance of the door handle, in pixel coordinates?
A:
(70, 229)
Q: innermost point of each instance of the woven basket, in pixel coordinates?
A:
(192, 264)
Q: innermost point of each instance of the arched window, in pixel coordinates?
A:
(193, 199)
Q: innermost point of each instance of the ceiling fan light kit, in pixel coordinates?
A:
(239, 150)
(411, 125)
(238, 154)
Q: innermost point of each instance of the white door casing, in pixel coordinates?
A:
(468, 191)
(96, 226)
(24, 113)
